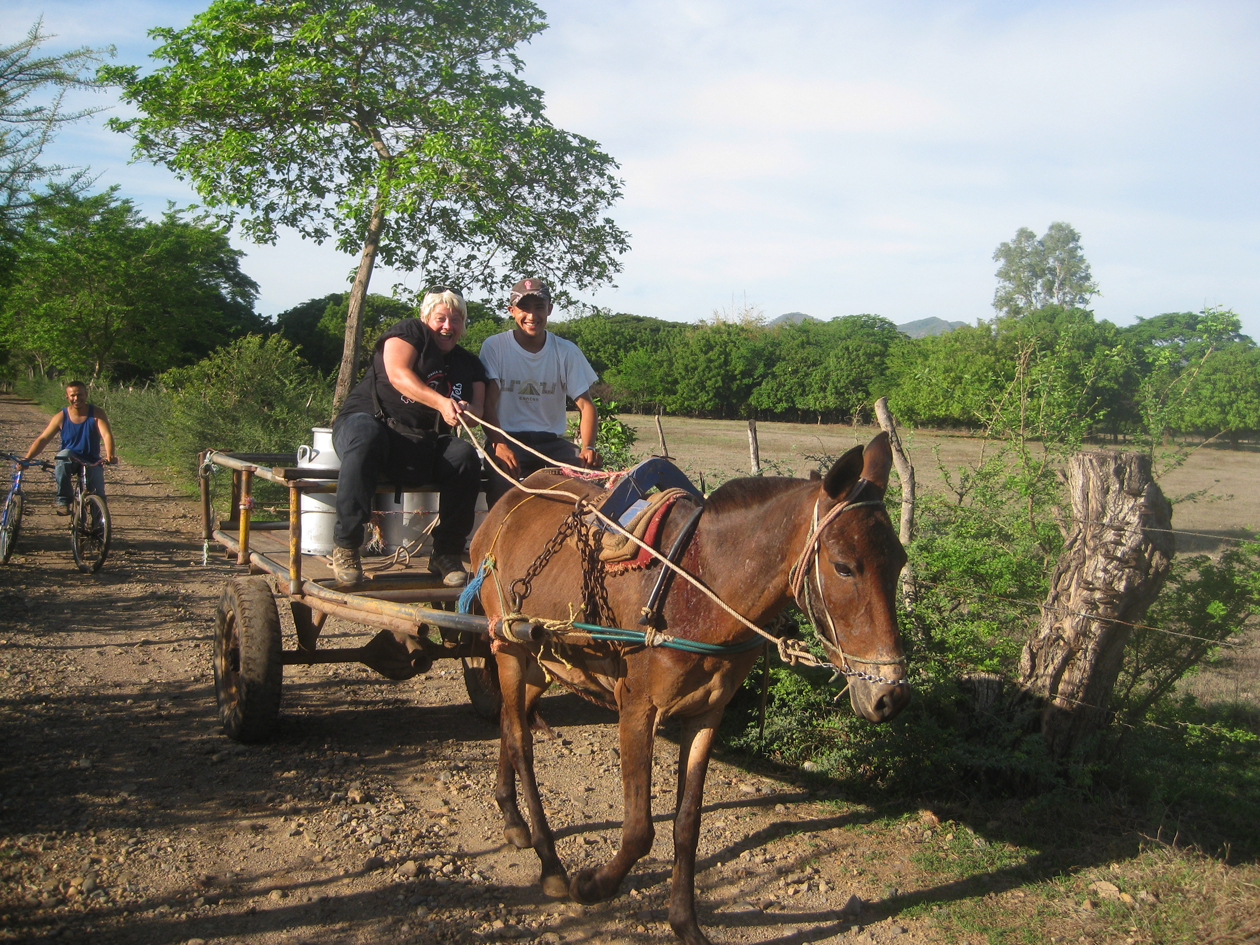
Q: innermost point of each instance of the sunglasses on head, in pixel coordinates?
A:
(442, 289)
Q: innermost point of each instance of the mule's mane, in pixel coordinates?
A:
(738, 494)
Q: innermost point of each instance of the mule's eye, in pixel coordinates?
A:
(842, 569)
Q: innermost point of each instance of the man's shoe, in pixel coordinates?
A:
(450, 568)
(347, 569)
(63, 508)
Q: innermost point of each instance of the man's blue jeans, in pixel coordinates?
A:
(65, 486)
(371, 452)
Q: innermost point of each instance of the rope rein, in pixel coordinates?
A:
(792, 652)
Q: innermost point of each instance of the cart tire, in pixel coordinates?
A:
(481, 679)
(247, 664)
(11, 528)
(89, 533)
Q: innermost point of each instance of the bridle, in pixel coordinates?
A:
(799, 583)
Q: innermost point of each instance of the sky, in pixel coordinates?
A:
(837, 158)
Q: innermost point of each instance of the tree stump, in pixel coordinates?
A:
(1115, 559)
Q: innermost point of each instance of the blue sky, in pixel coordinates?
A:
(836, 158)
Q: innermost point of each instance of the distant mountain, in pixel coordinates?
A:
(927, 326)
(794, 317)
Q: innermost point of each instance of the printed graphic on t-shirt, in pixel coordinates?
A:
(527, 388)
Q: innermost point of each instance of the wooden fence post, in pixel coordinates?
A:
(754, 452)
(1115, 559)
(660, 435)
(905, 472)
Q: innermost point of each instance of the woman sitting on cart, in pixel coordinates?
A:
(397, 425)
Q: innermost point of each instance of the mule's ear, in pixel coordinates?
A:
(814, 475)
(877, 460)
(844, 475)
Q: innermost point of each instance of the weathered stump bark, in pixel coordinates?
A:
(1114, 562)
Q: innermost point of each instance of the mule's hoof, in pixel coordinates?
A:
(583, 888)
(557, 887)
(518, 837)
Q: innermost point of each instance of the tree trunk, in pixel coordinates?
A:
(349, 370)
(1115, 558)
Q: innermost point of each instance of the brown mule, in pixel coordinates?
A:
(749, 536)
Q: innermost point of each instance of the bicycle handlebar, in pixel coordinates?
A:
(25, 463)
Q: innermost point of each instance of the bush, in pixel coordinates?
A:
(613, 439)
(254, 395)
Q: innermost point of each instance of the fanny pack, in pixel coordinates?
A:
(415, 434)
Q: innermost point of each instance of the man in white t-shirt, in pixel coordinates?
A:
(530, 373)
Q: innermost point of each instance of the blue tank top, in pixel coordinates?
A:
(83, 438)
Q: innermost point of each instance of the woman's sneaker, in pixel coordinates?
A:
(450, 568)
(347, 568)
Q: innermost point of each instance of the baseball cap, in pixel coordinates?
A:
(531, 287)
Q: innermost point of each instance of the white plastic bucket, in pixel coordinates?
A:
(319, 511)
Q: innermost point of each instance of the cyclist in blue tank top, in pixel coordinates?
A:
(84, 430)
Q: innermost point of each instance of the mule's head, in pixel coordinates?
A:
(849, 585)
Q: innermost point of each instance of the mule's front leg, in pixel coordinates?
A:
(636, 730)
(516, 753)
(695, 743)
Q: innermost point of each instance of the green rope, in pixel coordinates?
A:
(619, 635)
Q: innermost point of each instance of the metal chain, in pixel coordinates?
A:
(522, 587)
(594, 590)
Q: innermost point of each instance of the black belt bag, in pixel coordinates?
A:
(415, 434)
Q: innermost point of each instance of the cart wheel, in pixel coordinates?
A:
(11, 527)
(247, 665)
(481, 679)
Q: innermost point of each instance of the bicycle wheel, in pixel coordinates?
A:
(10, 527)
(89, 534)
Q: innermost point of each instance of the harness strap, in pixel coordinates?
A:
(656, 600)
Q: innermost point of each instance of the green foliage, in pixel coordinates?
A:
(396, 127)
(1039, 272)
(482, 323)
(1196, 760)
(613, 438)
(100, 290)
(256, 394)
(32, 90)
(1206, 605)
(606, 339)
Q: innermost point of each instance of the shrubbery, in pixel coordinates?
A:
(255, 395)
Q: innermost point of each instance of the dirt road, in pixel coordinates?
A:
(126, 816)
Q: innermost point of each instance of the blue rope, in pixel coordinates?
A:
(619, 635)
(472, 589)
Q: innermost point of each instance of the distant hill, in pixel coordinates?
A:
(794, 317)
(928, 326)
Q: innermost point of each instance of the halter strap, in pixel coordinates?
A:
(798, 582)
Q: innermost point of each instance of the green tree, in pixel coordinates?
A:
(28, 124)
(99, 289)
(1038, 272)
(606, 338)
(715, 368)
(399, 127)
(950, 379)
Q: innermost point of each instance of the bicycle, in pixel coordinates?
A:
(11, 516)
(89, 515)
(89, 518)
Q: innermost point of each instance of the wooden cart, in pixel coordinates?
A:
(411, 607)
